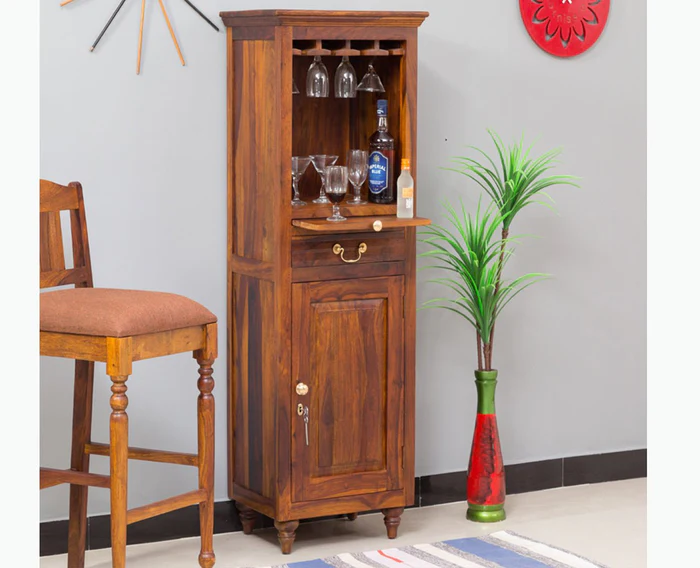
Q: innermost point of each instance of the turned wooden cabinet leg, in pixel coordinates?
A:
(351, 516)
(80, 461)
(248, 517)
(392, 520)
(205, 431)
(118, 468)
(286, 531)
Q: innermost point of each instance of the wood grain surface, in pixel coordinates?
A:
(296, 311)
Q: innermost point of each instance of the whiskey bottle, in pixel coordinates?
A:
(381, 159)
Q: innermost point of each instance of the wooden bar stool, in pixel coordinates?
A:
(118, 327)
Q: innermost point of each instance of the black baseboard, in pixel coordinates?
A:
(430, 490)
(536, 476)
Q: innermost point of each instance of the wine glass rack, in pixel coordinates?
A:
(375, 48)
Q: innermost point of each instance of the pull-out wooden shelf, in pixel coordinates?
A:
(368, 223)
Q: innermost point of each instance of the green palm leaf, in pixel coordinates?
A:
(514, 178)
(467, 249)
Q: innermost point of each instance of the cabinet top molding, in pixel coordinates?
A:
(322, 18)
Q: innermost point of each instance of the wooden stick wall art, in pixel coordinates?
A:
(143, 16)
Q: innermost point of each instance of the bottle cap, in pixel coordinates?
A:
(405, 163)
(381, 107)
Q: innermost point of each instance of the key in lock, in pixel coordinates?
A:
(306, 424)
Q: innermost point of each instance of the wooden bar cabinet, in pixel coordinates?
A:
(321, 316)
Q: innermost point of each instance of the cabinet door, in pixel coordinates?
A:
(347, 347)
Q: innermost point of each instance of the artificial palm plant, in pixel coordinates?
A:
(475, 259)
(474, 256)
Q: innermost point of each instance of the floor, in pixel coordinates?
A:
(605, 522)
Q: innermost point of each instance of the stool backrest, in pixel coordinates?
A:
(53, 199)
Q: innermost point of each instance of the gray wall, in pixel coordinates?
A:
(151, 153)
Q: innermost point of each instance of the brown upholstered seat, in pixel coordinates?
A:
(110, 312)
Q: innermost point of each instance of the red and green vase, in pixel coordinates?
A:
(486, 479)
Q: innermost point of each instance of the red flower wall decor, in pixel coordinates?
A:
(565, 27)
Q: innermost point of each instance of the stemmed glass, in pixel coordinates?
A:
(337, 187)
(357, 173)
(321, 162)
(345, 80)
(295, 89)
(299, 165)
(317, 79)
(371, 81)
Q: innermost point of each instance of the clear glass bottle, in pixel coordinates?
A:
(404, 191)
(381, 159)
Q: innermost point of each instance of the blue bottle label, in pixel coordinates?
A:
(378, 176)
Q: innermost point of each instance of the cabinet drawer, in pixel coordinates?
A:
(319, 250)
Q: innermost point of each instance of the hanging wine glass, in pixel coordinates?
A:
(371, 82)
(295, 89)
(345, 80)
(317, 79)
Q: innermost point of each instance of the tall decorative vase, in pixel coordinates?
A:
(486, 479)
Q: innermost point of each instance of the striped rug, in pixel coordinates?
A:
(504, 549)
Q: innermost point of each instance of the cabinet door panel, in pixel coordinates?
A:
(348, 349)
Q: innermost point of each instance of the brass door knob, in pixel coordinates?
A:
(302, 389)
(377, 225)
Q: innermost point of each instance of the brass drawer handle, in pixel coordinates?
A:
(337, 249)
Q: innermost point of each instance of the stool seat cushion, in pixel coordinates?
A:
(113, 312)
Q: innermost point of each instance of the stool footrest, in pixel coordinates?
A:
(49, 477)
(165, 506)
(144, 454)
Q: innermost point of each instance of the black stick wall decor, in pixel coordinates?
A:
(143, 14)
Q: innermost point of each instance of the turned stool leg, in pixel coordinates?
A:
(119, 369)
(118, 468)
(247, 516)
(205, 412)
(286, 531)
(80, 461)
(392, 520)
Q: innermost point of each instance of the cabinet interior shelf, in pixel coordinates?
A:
(316, 210)
(359, 224)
